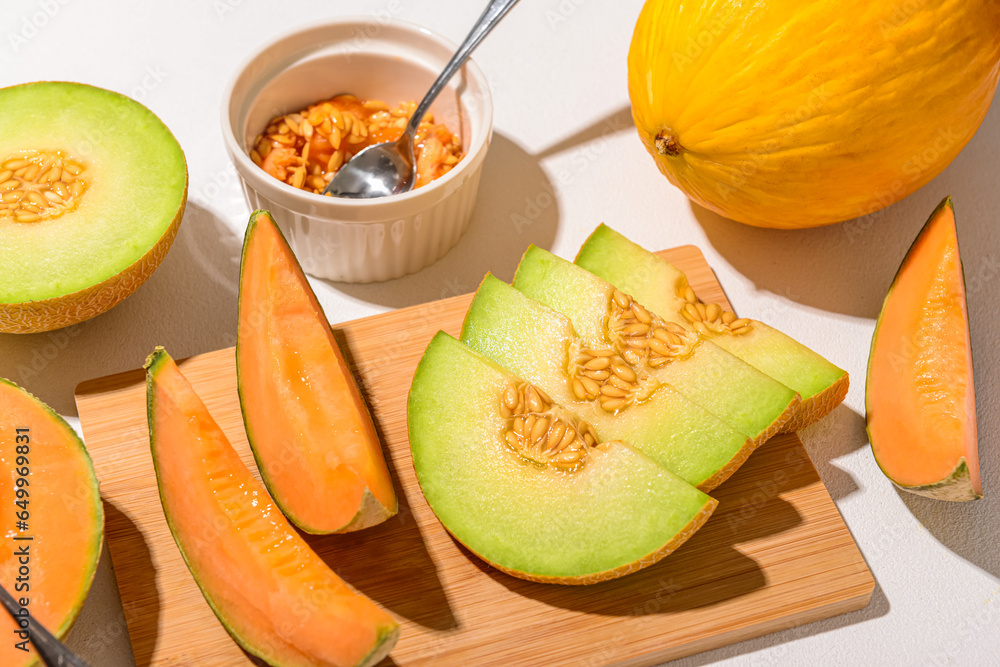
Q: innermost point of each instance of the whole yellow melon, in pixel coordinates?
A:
(792, 113)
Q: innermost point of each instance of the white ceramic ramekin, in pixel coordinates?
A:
(357, 240)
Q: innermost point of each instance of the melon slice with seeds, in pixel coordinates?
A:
(755, 404)
(665, 290)
(527, 486)
(541, 346)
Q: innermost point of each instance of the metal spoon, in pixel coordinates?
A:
(390, 168)
(53, 652)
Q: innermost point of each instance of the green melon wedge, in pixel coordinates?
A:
(273, 594)
(661, 287)
(538, 343)
(756, 404)
(615, 514)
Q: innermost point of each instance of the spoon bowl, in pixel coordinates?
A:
(390, 168)
(380, 170)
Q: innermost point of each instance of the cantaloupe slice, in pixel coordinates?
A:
(525, 485)
(665, 290)
(47, 481)
(920, 398)
(273, 594)
(312, 436)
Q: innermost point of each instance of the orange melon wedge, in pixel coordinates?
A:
(920, 396)
(273, 594)
(51, 520)
(312, 436)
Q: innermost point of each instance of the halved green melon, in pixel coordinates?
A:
(541, 346)
(583, 514)
(920, 398)
(255, 571)
(311, 433)
(92, 190)
(753, 403)
(52, 521)
(664, 289)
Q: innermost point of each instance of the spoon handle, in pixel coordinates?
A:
(53, 652)
(495, 11)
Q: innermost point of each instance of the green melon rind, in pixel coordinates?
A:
(955, 487)
(475, 484)
(651, 281)
(754, 403)
(958, 485)
(95, 553)
(159, 182)
(385, 638)
(532, 340)
(371, 511)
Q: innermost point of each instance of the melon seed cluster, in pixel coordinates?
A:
(643, 338)
(612, 377)
(537, 432)
(36, 185)
(710, 318)
(605, 377)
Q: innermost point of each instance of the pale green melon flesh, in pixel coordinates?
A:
(729, 388)
(137, 179)
(532, 341)
(652, 281)
(619, 508)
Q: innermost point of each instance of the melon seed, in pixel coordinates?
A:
(597, 363)
(25, 181)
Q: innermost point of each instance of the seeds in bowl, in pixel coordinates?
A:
(306, 149)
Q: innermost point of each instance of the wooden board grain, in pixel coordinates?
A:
(775, 554)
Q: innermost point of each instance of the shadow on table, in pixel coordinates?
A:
(188, 305)
(969, 529)
(709, 569)
(140, 598)
(409, 585)
(878, 607)
(848, 267)
(838, 434)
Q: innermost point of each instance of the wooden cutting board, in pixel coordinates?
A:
(775, 554)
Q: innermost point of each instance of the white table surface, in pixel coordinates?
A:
(565, 156)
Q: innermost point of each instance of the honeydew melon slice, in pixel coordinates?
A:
(665, 290)
(753, 403)
(540, 345)
(92, 190)
(256, 572)
(592, 512)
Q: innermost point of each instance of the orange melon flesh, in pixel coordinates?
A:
(65, 519)
(920, 397)
(254, 569)
(311, 433)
